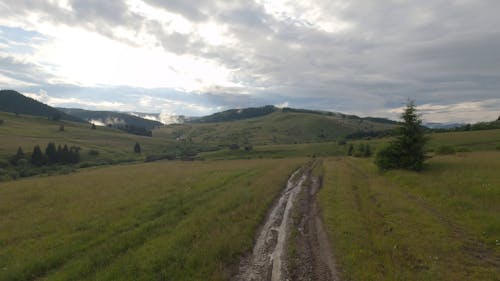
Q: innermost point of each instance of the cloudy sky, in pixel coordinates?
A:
(196, 57)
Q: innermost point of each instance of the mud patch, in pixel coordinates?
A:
(292, 243)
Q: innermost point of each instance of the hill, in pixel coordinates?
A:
(271, 125)
(15, 102)
(236, 114)
(112, 118)
(112, 145)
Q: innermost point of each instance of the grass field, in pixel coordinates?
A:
(279, 151)
(440, 224)
(155, 221)
(28, 131)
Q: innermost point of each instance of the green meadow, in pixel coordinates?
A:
(155, 221)
(27, 131)
(193, 220)
(439, 224)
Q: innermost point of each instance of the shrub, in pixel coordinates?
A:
(93, 152)
(445, 150)
(463, 149)
(388, 157)
(86, 164)
(4, 163)
(234, 146)
(498, 147)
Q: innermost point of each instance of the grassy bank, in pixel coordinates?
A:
(440, 224)
(157, 221)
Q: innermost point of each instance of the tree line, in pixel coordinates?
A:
(52, 155)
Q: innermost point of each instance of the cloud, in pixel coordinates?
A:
(349, 56)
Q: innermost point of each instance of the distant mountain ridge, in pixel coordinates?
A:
(113, 118)
(236, 114)
(15, 102)
(253, 112)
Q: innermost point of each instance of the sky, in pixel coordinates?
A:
(197, 57)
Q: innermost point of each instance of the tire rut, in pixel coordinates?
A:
(293, 222)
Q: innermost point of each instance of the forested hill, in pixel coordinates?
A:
(15, 102)
(116, 119)
(236, 114)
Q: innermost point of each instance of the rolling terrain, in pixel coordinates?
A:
(280, 126)
(237, 210)
(14, 102)
(113, 145)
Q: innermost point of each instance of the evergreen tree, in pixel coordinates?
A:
(407, 151)
(74, 155)
(368, 151)
(137, 148)
(51, 153)
(37, 158)
(59, 154)
(350, 150)
(18, 156)
(65, 155)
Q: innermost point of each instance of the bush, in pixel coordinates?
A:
(498, 147)
(463, 149)
(4, 163)
(93, 152)
(445, 150)
(388, 157)
(86, 164)
(22, 162)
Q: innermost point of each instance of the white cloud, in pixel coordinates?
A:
(282, 105)
(43, 97)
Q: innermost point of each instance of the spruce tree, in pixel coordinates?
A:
(18, 156)
(407, 150)
(51, 153)
(37, 158)
(137, 148)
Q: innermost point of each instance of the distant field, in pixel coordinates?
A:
(279, 151)
(440, 224)
(156, 221)
(28, 131)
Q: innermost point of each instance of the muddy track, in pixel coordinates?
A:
(291, 244)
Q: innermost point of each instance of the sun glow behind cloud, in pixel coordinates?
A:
(88, 59)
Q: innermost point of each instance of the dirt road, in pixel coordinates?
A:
(291, 244)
